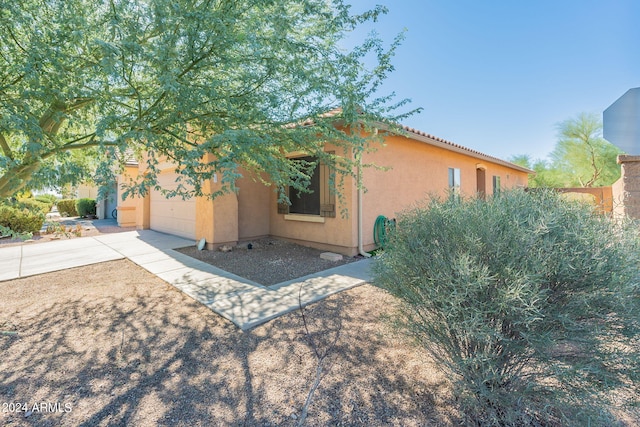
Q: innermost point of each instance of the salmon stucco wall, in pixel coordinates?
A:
(416, 171)
(128, 209)
(337, 234)
(254, 208)
(410, 172)
(230, 218)
(216, 219)
(334, 234)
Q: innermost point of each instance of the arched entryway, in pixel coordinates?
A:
(481, 181)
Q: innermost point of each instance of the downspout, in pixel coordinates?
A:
(361, 250)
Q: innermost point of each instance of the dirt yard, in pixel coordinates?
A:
(269, 261)
(110, 344)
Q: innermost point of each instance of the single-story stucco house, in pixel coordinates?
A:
(416, 165)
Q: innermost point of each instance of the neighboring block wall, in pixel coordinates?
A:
(627, 188)
(600, 197)
(617, 190)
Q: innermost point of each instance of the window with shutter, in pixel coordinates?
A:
(496, 185)
(454, 183)
(307, 202)
(320, 200)
(327, 195)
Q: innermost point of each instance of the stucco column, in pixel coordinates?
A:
(143, 212)
(630, 185)
(128, 209)
(217, 219)
(143, 205)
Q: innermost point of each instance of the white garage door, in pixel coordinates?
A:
(174, 215)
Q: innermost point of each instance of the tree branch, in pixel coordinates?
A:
(179, 137)
(79, 147)
(5, 147)
(50, 123)
(15, 40)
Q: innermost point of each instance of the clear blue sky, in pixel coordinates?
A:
(498, 76)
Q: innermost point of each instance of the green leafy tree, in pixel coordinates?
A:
(177, 80)
(581, 157)
(585, 157)
(545, 176)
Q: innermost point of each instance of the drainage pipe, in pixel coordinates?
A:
(361, 250)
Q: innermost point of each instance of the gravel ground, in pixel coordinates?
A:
(111, 344)
(73, 226)
(270, 261)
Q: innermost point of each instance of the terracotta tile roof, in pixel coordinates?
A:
(433, 140)
(411, 133)
(443, 143)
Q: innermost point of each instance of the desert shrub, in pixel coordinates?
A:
(67, 207)
(86, 207)
(34, 205)
(527, 301)
(47, 198)
(20, 220)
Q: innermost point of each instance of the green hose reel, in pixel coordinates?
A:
(382, 228)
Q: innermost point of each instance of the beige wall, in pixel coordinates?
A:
(600, 197)
(87, 191)
(416, 170)
(336, 234)
(127, 209)
(413, 171)
(254, 207)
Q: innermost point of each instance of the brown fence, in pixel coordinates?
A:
(602, 197)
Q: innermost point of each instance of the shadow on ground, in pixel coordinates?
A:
(121, 347)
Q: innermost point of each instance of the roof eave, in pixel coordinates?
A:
(448, 145)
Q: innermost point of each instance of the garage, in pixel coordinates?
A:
(174, 215)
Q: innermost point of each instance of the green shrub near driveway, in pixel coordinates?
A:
(528, 302)
(86, 207)
(20, 220)
(34, 205)
(67, 207)
(47, 198)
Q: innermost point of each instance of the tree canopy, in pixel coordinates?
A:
(83, 82)
(581, 157)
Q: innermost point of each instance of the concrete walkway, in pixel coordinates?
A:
(245, 303)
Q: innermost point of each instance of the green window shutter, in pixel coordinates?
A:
(327, 195)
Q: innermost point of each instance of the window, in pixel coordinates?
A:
(320, 200)
(307, 203)
(496, 185)
(454, 182)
